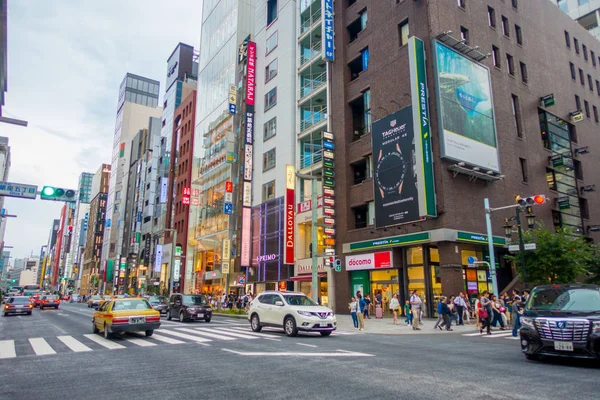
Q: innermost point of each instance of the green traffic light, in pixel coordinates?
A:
(48, 191)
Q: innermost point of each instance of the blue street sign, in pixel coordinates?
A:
(328, 144)
(228, 208)
(232, 108)
(471, 260)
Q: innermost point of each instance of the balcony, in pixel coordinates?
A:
(310, 53)
(308, 20)
(308, 159)
(311, 82)
(312, 116)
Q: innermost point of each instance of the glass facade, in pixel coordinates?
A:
(85, 187)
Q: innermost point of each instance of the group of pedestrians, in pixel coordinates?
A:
(492, 311)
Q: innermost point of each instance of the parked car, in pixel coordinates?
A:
(126, 315)
(189, 307)
(18, 305)
(50, 300)
(292, 311)
(159, 303)
(562, 320)
(94, 301)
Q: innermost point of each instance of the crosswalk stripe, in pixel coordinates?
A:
(207, 334)
(141, 342)
(513, 338)
(498, 335)
(479, 334)
(186, 336)
(228, 333)
(41, 347)
(73, 344)
(109, 344)
(7, 349)
(166, 339)
(255, 334)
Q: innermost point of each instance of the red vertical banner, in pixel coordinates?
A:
(290, 214)
(251, 74)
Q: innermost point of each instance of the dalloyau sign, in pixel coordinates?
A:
(290, 215)
(382, 259)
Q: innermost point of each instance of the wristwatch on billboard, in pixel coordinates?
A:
(389, 178)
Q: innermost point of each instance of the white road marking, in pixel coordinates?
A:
(498, 335)
(482, 334)
(141, 342)
(295, 354)
(186, 336)
(266, 333)
(207, 334)
(255, 334)
(41, 347)
(7, 349)
(109, 344)
(307, 345)
(167, 339)
(513, 338)
(204, 344)
(73, 344)
(227, 333)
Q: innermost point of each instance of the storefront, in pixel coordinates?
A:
(303, 278)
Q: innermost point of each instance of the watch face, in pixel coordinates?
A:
(390, 172)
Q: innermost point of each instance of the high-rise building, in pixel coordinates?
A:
(3, 51)
(47, 262)
(80, 223)
(4, 170)
(586, 12)
(138, 101)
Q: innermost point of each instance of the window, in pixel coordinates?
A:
(524, 76)
(505, 26)
(269, 160)
(581, 77)
(403, 32)
(573, 72)
(523, 163)
(576, 43)
(598, 87)
(577, 103)
(496, 56)
(585, 53)
(519, 34)
(510, 64)
(271, 11)
(361, 216)
(462, 3)
(271, 42)
(271, 98)
(587, 108)
(590, 83)
(515, 3)
(596, 114)
(516, 109)
(359, 64)
(270, 128)
(271, 70)
(492, 17)
(593, 57)
(350, 2)
(568, 39)
(564, 7)
(464, 34)
(358, 25)
(268, 191)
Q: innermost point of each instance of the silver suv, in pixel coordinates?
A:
(292, 311)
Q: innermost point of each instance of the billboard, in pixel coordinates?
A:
(467, 126)
(290, 215)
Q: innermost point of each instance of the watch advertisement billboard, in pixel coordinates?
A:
(467, 126)
(395, 181)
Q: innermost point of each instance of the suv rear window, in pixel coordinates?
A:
(198, 300)
(20, 300)
(565, 299)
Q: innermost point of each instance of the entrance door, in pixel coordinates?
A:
(387, 289)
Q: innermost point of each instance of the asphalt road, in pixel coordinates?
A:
(54, 355)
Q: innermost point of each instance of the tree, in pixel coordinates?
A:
(594, 268)
(559, 257)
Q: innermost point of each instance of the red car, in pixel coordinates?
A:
(50, 300)
(36, 300)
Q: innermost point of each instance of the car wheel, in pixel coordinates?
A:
(95, 328)
(289, 325)
(181, 318)
(56, 307)
(106, 332)
(169, 315)
(325, 333)
(207, 320)
(6, 314)
(41, 308)
(149, 332)
(532, 357)
(255, 323)
(30, 313)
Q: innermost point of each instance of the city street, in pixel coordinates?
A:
(54, 355)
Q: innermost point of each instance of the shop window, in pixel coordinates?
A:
(360, 216)
(434, 254)
(524, 75)
(598, 87)
(505, 26)
(596, 114)
(576, 44)
(510, 64)
(492, 17)
(578, 103)
(587, 108)
(268, 191)
(416, 281)
(414, 255)
(593, 57)
(581, 77)
(585, 53)
(590, 82)
(519, 34)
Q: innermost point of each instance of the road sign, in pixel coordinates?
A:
(530, 246)
(471, 260)
(9, 189)
(232, 109)
(228, 197)
(241, 279)
(228, 208)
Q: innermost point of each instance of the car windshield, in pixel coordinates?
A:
(157, 299)
(194, 300)
(134, 304)
(565, 299)
(20, 300)
(299, 300)
(96, 297)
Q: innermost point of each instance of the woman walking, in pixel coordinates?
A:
(394, 306)
(496, 309)
(353, 307)
(485, 313)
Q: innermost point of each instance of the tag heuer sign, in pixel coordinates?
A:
(328, 154)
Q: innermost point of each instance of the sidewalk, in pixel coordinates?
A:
(385, 326)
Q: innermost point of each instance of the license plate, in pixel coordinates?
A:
(323, 324)
(563, 346)
(137, 320)
(19, 306)
(200, 315)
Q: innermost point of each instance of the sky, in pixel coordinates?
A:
(66, 60)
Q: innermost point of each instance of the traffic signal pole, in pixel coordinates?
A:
(521, 245)
(488, 223)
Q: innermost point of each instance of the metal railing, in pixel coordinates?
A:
(318, 115)
(312, 83)
(313, 19)
(308, 159)
(315, 50)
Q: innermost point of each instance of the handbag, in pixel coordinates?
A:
(483, 314)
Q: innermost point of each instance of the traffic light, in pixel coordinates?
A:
(330, 262)
(338, 265)
(58, 194)
(531, 200)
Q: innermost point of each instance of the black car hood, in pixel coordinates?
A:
(562, 314)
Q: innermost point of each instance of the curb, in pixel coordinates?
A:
(230, 315)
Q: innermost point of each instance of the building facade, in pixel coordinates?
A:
(80, 223)
(586, 12)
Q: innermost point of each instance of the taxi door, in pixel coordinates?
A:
(101, 316)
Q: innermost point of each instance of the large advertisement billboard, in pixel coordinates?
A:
(465, 109)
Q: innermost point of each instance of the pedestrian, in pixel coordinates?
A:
(408, 313)
(394, 306)
(353, 305)
(460, 306)
(440, 318)
(525, 297)
(485, 313)
(496, 310)
(415, 306)
(517, 307)
(367, 300)
(362, 305)
(446, 312)
(477, 308)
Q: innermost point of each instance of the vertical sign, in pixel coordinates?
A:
(290, 220)
(422, 132)
(176, 270)
(251, 74)
(225, 255)
(146, 256)
(246, 240)
(328, 47)
(164, 186)
(158, 258)
(328, 199)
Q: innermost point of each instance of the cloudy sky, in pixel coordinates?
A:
(66, 60)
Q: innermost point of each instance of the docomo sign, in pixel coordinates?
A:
(382, 259)
(290, 215)
(251, 74)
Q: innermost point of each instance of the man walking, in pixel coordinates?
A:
(415, 306)
(460, 304)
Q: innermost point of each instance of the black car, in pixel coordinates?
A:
(562, 320)
(189, 307)
(159, 303)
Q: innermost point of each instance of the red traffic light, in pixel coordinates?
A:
(531, 200)
(539, 199)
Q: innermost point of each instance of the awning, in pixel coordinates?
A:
(307, 277)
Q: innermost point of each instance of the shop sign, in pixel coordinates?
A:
(251, 73)
(158, 258)
(225, 267)
(306, 206)
(329, 211)
(246, 237)
(548, 101)
(248, 162)
(226, 251)
(266, 257)
(228, 186)
(290, 215)
(243, 50)
(304, 266)
(391, 241)
(382, 259)
(176, 270)
(478, 238)
(328, 45)
(329, 231)
(247, 195)
(213, 275)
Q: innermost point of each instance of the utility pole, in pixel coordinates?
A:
(488, 223)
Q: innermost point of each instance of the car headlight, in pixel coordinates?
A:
(305, 313)
(527, 322)
(596, 327)
(330, 314)
(191, 309)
